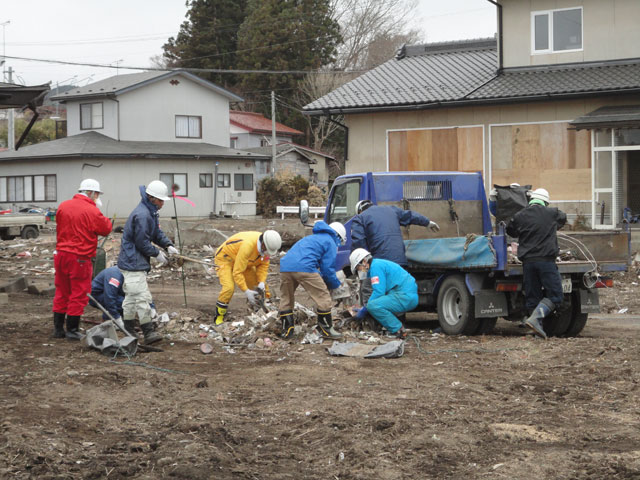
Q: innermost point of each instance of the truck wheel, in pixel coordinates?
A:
(29, 232)
(486, 326)
(557, 324)
(456, 308)
(578, 319)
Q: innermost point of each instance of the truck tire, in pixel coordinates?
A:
(557, 324)
(578, 319)
(456, 307)
(29, 232)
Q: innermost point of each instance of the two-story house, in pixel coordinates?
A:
(552, 101)
(130, 129)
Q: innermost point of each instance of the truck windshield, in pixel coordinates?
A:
(343, 201)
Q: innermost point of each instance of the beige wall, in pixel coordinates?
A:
(610, 31)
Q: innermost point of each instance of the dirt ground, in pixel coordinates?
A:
(501, 406)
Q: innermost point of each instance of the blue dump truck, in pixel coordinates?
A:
(468, 272)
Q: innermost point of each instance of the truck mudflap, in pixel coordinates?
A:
(490, 304)
(589, 301)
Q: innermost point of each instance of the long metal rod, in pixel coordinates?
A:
(184, 287)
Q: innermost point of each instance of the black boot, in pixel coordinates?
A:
(73, 323)
(286, 317)
(130, 326)
(58, 325)
(150, 335)
(325, 326)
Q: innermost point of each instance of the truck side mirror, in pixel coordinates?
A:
(304, 212)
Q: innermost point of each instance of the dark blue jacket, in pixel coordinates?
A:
(315, 253)
(142, 228)
(106, 288)
(377, 230)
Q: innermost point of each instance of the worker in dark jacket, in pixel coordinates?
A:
(376, 228)
(536, 229)
(107, 289)
(141, 231)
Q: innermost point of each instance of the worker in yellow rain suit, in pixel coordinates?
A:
(243, 260)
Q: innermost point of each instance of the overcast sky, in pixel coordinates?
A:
(129, 32)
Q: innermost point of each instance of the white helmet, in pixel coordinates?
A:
(362, 205)
(271, 241)
(89, 185)
(158, 190)
(540, 194)
(356, 257)
(340, 230)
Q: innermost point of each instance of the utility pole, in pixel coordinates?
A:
(273, 133)
(11, 135)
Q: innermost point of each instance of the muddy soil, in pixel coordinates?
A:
(505, 405)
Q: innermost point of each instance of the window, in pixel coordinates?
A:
(224, 180)
(90, 116)
(243, 181)
(30, 188)
(264, 142)
(188, 127)
(343, 201)
(176, 182)
(206, 180)
(234, 142)
(556, 30)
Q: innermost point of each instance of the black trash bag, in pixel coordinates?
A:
(509, 201)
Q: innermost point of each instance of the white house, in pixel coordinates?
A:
(130, 129)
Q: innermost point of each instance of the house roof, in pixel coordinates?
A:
(285, 147)
(17, 96)
(93, 144)
(421, 74)
(119, 84)
(258, 123)
(464, 73)
(619, 116)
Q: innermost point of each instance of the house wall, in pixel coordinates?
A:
(610, 31)
(252, 140)
(109, 118)
(120, 178)
(320, 167)
(294, 164)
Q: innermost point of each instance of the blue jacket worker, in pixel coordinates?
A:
(309, 263)
(106, 288)
(536, 228)
(376, 228)
(395, 291)
(141, 231)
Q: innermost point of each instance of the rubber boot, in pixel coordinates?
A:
(150, 335)
(73, 323)
(286, 317)
(534, 322)
(221, 311)
(130, 326)
(325, 326)
(58, 325)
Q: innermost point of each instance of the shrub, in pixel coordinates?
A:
(285, 189)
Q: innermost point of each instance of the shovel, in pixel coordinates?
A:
(145, 348)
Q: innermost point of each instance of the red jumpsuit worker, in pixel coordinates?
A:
(79, 222)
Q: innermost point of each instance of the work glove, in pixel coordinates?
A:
(361, 313)
(154, 313)
(252, 297)
(261, 287)
(493, 194)
(434, 226)
(161, 258)
(172, 250)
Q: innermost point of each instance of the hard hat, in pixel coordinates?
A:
(272, 242)
(158, 190)
(514, 185)
(89, 185)
(356, 257)
(340, 230)
(362, 205)
(540, 194)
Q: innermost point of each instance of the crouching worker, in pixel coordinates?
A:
(243, 260)
(106, 288)
(395, 291)
(536, 228)
(143, 228)
(309, 263)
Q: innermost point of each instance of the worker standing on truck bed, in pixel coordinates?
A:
(536, 228)
(78, 224)
(243, 260)
(395, 291)
(376, 228)
(310, 263)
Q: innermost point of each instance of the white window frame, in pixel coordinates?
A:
(549, 14)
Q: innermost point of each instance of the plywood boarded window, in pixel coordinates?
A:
(444, 149)
(547, 155)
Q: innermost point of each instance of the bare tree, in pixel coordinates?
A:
(159, 61)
